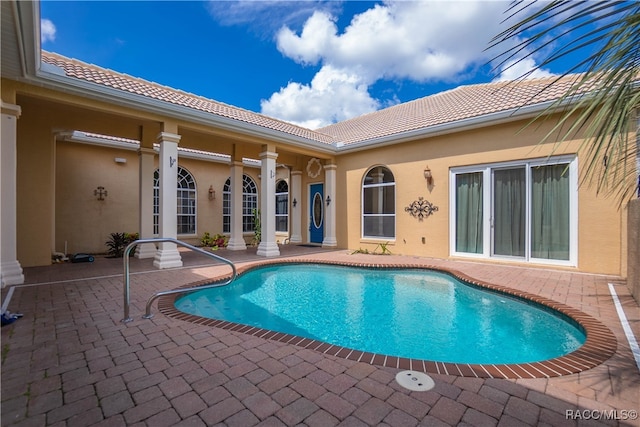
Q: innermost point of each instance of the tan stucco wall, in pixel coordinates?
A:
(81, 220)
(38, 125)
(85, 223)
(35, 191)
(633, 273)
(601, 222)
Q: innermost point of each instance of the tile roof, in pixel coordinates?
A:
(464, 102)
(94, 74)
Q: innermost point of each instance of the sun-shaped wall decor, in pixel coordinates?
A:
(314, 164)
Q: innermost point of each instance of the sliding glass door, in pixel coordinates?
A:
(509, 212)
(550, 209)
(521, 210)
(469, 213)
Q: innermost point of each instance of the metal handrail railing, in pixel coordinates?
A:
(148, 314)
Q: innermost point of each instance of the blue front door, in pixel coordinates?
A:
(316, 220)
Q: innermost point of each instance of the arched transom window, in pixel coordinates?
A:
(379, 204)
(186, 212)
(249, 204)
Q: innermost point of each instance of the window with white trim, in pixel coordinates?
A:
(282, 206)
(524, 211)
(249, 204)
(186, 208)
(379, 204)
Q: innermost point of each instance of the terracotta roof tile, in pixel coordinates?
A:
(458, 104)
(119, 81)
(464, 102)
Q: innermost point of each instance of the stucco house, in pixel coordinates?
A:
(88, 151)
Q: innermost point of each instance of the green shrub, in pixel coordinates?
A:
(257, 230)
(118, 242)
(214, 242)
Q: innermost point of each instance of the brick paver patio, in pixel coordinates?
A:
(70, 361)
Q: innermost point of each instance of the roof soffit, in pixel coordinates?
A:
(20, 38)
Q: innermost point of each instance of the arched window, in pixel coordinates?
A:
(379, 204)
(249, 203)
(186, 185)
(282, 206)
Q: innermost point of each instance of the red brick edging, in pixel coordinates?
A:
(599, 346)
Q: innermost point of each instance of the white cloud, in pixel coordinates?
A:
(267, 16)
(420, 41)
(423, 41)
(523, 68)
(47, 30)
(315, 40)
(332, 96)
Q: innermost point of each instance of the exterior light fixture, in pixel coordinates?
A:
(172, 161)
(428, 176)
(295, 202)
(212, 193)
(328, 200)
(100, 193)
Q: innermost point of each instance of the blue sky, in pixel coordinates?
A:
(307, 62)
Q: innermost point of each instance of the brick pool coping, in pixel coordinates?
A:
(600, 343)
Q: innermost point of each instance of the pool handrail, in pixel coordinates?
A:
(148, 314)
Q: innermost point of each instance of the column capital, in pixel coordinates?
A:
(144, 150)
(296, 173)
(268, 155)
(168, 137)
(330, 167)
(11, 109)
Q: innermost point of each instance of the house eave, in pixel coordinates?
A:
(80, 137)
(51, 79)
(491, 119)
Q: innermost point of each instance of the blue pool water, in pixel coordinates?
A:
(409, 313)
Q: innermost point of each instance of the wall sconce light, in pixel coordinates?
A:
(295, 202)
(172, 161)
(328, 200)
(212, 193)
(428, 176)
(100, 193)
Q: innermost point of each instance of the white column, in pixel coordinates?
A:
(330, 212)
(145, 201)
(236, 240)
(10, 269)
(296, 215)
(167, 255)
(268, 246)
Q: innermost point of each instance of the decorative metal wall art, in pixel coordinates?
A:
(421, 208)
(100, 193)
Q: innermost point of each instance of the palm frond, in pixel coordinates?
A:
(601, 106)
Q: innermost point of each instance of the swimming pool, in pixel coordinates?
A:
(407, 313)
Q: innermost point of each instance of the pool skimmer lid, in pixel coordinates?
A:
(415, 381)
